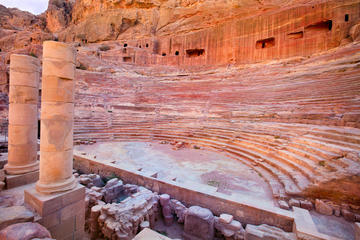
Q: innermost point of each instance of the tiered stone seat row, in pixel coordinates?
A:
(289, 162)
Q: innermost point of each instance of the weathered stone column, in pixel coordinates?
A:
(23, 115)
(57, 197)
(57, 111)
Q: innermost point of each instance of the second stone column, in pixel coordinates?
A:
(57, 114)
(23, 114)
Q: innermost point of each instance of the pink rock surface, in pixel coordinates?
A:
(323, 208)
(199, 222)
(24, 231)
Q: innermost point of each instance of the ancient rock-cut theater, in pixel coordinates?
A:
(180, 119)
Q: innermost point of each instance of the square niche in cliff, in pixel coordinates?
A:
(265, 43)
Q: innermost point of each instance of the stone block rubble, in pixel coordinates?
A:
(91, 180)
(116, 210)
(119, 211)
(229, 227)
(349, 212)
(123, 220)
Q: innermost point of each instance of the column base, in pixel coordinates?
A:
(63, 214)
(17, 170)
(13, 181)
(66, 185)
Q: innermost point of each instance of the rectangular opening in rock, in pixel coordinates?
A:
(195, 52)
(127, 59)
(346, 17)
(320, 26)
(296, 35)
(265, 43)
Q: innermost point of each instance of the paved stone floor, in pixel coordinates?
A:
(186, 164)
(334, 226)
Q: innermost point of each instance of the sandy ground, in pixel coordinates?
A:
(185, 164)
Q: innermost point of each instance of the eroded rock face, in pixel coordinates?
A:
(15, 19)
(58, 14)
(21, 30)
(152, 17)
(170, 30)
(25, 231)
(355, 32)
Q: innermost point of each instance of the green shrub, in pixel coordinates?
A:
(33, 55)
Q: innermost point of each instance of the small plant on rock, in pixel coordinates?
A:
(213, 183)
(108, 178)
(82, 67)
(33, 55)
(322, 163)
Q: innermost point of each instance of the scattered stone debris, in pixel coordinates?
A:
(179, 145)
(229, 228)
(349, 212)
(84, 142)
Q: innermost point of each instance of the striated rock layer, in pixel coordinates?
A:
(294, 30)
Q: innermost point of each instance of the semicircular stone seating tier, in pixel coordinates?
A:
(289, 157)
